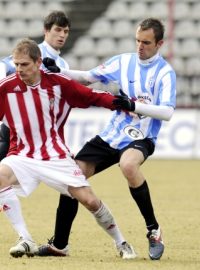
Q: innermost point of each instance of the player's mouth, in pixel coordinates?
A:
(60, 42)
(141, 54)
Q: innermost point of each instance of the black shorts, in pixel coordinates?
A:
(104, 156)
(4, 141)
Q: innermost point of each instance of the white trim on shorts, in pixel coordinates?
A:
(58, 174)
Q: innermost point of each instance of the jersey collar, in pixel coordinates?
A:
(51, 49)
(149, 61)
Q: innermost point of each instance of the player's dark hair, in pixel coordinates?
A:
(58, 18)
(156, 25)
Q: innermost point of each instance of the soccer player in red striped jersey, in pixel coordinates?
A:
(56, 32)
(34, 105)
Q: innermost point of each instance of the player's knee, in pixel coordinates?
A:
(129, 168)
(91, 203)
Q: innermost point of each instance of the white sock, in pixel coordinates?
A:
(10, 205)
(106, 220)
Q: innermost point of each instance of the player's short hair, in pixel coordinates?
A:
(58, 18)
(156, 25)
(29, 47)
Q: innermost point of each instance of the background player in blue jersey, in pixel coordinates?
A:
(56, 31)
(128, 140)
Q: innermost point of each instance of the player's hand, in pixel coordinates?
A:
(50, 64)
(123, 102)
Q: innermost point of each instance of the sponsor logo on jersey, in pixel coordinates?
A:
(132, 81)
(77, 172)
(17, 89)
(151, 82)
(144, 98)
(133, 133)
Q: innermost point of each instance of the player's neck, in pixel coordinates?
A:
(51, 49)
(33, 81)
(149, 60)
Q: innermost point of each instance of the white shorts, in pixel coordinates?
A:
(58, 174)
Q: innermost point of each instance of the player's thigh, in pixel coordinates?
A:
(7, 177)
(136, 153)
(87, 167)
(132, 157)
(96, 156)
(60, 174)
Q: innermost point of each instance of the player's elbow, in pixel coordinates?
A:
(169, 113)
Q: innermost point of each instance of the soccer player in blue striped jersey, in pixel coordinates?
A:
(129, 139)
(56, 31)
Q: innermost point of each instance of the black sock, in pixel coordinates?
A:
(142, 197)
(66, 212)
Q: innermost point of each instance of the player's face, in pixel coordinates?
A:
(146, 44)
(26, 68)
(56, 36)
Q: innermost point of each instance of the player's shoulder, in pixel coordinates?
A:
(167, 65)
(55, 77)
(10, 79)
(128, 54)
(123, 55)
(12, 84)
(7, 59)
(48, 51)
(165, 68)
(116, 59)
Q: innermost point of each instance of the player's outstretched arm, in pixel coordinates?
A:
(161, 112)
(83, 77)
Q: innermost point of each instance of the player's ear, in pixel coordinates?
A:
(39, 61)
(160, 43)
(45, 30)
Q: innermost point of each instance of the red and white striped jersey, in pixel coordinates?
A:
(36, 114)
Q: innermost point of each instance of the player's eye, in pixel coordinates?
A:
(143, 42)
(146, 42)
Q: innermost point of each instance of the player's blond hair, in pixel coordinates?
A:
(29, 47)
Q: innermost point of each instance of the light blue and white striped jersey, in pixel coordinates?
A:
(46, 51)
(154, 83)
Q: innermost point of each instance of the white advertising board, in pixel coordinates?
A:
(179, 138)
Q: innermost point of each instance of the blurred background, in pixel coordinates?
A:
(103, 28)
